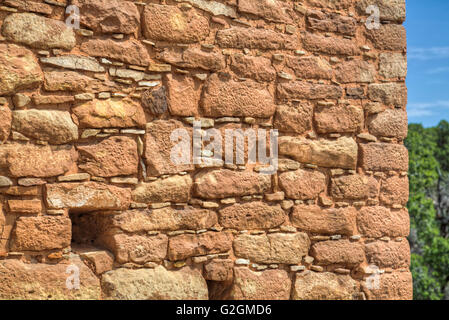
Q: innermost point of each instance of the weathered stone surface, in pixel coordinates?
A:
(331, 22)
(5, 123)
(257, 68)
(195, 58)
(224, 183)
(339, 118)
(392, 286)
(154, 284)
(380, 222)
(101, 260)
(309, 67)
(174, 189)
(224, 97)
(46, 281)
(354, 187)
(114, 156)
(272, 248)
(128, 51)
(53, 126)
(190, 245)
(174, 24)
(74, 62)
(18, 69)
(183, 95)
(302, 184)
(324, 286)
(38, 32)
(390, 10)
(392, 65)
(219, 270)
(253, 38)
(312, 218)
(390, 254)
(41, 233)
(304, 90)
(355, 71)
(392, 94)
(329, 45)
(31, 6)
(251, 215)
(384, 156)
(342, 252)
(162, 152)
(214, 7)
(37, 161)
(331, 4)
(155, 101)
(164, 219)
(388, 37)
(340, 153)
(87, 196)
(108, 16)
(25, 206)
(108, 113)
(271, 10)
(136, 248)
(394, 190)
(265, 285)
(297, 119)
(390, 123)
(69, 81)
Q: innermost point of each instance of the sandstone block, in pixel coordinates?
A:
(251, 215)
(302, 184)
(354, 187)
(184, 95)
(384, 156)
(171, 189)
(392, 286)
(341, 252)
(339, 118)
(394, 190)
(390, 123)
(272, 248)
(309, 67)
(297, 119)
(219, 270)
(257, 68)
(329, 45)
(390, 254)
(304, 90)
(380, 222)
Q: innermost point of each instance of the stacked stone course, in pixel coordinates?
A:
(86, 177)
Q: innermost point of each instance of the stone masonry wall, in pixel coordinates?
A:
(88, 187)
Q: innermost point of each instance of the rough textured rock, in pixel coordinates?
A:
(390, 254)
(41, 233)
(392, 94)
(18, 69)
(164, 219)
(342, 252)
(109, 16)
(297, 119)
(340, 153)
(174, 24)
(309, 67)
(113, 156)
(388, 37)
(277, 11)
(392, 65)
(324, 286)
(304, 90)
(174, 188)
(160, 150)
(74, 62)
(227, 183)
(68, 81)
(253, 38)
(302, 184)
(154, 284)
(339, 118)
(354, 187)
(390, 123)
(87, 196)
(384, 156)
(380, 222)
(227, 98)
(183, 95)
(37, 161)
(288, 248)
(53, 126)
(392, 286)
(257, 68)
(38, 32)
(390, 10)
(251, 215)
(395, 190)
(113, 112)
(329, 45)
(265, 285)
(46, 281)
(355, 71)
(312, 218)
(5, 123)
(128, 51)
(190, 245)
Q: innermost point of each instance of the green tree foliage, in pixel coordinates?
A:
(429, 209)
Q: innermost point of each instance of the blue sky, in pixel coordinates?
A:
(427, 28)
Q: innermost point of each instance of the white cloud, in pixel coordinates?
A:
(432, 53)
(425, 109)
